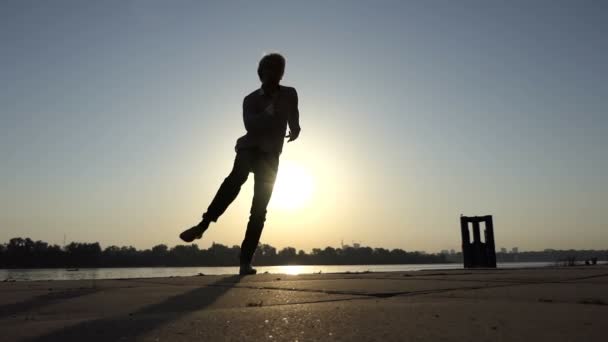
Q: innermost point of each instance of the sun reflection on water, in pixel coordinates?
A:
(292, 269)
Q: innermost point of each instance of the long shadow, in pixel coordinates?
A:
(129, 327)
(42, 300)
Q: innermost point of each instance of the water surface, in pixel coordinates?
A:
(153, 272)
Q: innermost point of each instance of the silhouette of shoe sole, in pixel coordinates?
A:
(191, 234)
(247, 271)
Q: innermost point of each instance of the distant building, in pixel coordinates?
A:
(452, 251)
(515, 250)
(445, 251)
(503, 250)
(356, 245)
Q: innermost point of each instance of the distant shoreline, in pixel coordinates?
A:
(48, 274)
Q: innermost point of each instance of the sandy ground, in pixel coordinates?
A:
(548, 304)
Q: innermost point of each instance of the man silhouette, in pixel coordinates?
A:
(267, 112)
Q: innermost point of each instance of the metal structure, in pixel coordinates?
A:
(478, 253)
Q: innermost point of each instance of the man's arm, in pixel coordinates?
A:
(255, 123)
(293, 120)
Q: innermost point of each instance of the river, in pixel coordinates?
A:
(154, 272)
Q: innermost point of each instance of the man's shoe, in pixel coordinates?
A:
(247, 270)
(195, 232)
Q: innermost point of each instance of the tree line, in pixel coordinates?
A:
(548, 255)
(26, 253)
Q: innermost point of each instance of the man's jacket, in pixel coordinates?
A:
(266, 118)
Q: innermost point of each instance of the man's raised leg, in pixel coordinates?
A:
(229, 189)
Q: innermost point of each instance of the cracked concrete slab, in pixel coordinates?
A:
(371, 287)
(507, 275)
(394, 319)
(560, 293)
(568, 305)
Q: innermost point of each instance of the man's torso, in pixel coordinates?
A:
(277, 107)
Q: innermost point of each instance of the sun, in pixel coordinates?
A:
(293, 188)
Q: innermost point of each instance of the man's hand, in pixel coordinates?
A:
(292, 135)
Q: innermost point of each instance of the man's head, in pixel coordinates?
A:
(271, 69)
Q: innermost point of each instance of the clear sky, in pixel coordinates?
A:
(118, 120)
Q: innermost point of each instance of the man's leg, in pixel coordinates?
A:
(225, 195)
(231, 186)
(265, 168)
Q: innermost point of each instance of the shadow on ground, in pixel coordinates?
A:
(129, 327)
(42, 301)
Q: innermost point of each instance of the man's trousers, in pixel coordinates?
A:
(264, 166)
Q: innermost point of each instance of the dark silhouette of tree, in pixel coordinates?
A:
(288, 255)
(159, 255)
(83, 254)
(265, 255)
(26, 253)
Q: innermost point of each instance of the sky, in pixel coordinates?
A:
(118, 120)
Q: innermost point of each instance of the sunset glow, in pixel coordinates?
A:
(294, 187)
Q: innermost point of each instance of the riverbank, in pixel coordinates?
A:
(558, 304)
(160, 272)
